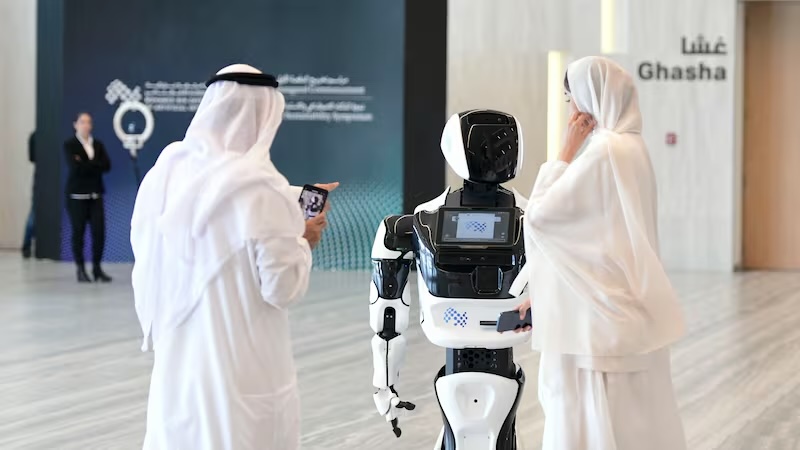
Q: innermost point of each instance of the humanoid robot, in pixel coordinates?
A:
(468, 248)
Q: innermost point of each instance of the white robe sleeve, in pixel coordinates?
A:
(521, 200)
(284, 266)
(549, 172)
(296, 191)
(597, 285)
(568, 194)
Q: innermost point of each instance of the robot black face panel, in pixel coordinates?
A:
(491, 145)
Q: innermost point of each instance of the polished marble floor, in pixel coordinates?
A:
(72, 375)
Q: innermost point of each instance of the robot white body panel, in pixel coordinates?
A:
(475, 405)
(464, 284)
(456, 322)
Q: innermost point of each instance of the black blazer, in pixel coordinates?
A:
(86, 175)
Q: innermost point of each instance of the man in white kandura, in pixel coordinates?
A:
(221, 252)
(604, 312)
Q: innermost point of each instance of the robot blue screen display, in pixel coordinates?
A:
(476, 226)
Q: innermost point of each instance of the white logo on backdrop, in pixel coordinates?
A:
(130, 101)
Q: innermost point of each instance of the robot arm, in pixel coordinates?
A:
(392, 256)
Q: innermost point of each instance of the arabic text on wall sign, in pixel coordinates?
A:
(697, 70)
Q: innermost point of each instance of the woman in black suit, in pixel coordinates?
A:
(88, 161)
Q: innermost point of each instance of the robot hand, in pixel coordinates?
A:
(391, 407)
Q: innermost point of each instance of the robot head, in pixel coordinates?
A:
(483, 146)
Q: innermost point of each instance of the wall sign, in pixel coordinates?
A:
(696, 70)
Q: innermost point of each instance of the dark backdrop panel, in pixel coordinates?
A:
(368, 42)
(185, 41)
(49, 72)
(425, 100)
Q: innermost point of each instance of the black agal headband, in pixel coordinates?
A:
(251, 79)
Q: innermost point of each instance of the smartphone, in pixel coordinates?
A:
(510, 321)
(312, 201)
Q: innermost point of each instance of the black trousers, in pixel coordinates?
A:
(92, 212)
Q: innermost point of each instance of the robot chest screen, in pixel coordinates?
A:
(469, 252)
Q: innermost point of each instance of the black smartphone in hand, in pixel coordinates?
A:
(312, 201)
(510, 321)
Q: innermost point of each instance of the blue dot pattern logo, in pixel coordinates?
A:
(458, 319)
(478, 227)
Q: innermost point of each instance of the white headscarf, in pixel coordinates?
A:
(596, 226)
(605, 90)
(205, 197)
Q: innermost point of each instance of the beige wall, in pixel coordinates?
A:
(498, 59)
(17, 115)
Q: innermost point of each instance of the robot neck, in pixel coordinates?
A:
(480, 194)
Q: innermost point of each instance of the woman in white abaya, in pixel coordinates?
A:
(218, 238)
(604, 312)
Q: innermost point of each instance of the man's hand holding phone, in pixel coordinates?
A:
(314, 228)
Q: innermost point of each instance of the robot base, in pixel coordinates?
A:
(478, 409)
